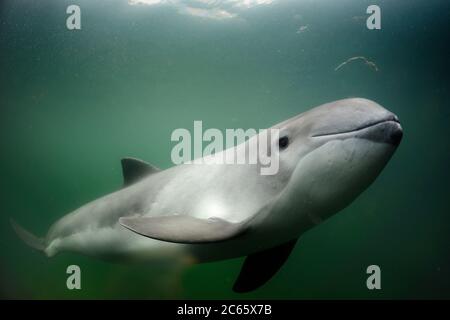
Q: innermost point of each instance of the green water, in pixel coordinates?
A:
(73, 103)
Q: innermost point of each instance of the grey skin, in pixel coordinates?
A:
(206, 212)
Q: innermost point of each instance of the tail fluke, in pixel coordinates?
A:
(27, 237)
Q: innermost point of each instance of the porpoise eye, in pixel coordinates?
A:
(283, 142)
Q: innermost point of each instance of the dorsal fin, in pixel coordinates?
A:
(134, 170)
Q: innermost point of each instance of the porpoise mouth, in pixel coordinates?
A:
(392, 118)
(392, 135)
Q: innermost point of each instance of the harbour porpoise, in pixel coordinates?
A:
(207, 212)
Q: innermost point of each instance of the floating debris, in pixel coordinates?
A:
(302, 29)
(369, 63)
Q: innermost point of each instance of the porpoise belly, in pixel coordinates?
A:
(117, 244)
(94, 229)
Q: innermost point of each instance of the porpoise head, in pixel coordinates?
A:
(334, 152)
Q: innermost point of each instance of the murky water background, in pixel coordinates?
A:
(73, 103)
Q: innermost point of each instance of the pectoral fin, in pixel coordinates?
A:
(259, 267)
(183, 228)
